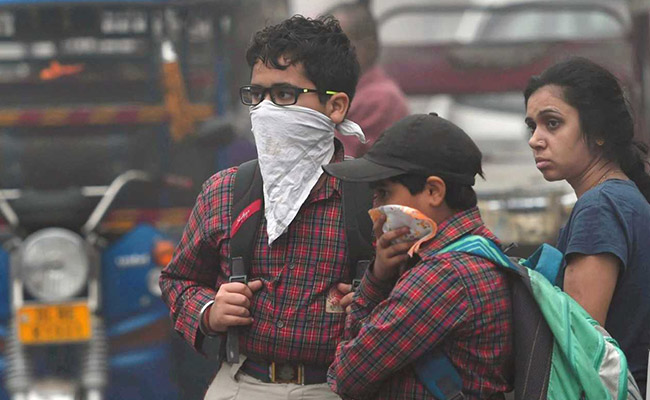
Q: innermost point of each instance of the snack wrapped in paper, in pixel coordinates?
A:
(422, 228)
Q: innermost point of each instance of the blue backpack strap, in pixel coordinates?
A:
(437, 373)
(481, 247)
(546, 260)
(434, 369)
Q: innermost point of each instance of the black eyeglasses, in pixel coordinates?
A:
(282, 95)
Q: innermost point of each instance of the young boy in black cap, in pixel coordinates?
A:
(451, 302)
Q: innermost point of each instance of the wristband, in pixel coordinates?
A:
(206, 329)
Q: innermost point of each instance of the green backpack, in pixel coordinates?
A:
(561, 353)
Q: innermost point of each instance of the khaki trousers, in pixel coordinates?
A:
(232, 384)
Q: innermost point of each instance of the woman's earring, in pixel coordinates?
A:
(600, 142)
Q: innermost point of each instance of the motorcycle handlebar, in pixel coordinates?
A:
(109, 196)
(8, 213)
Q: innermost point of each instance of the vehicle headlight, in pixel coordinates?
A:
(54, 264)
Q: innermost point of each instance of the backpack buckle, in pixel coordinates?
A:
(238, 278)
(361, 267)
(238, 271)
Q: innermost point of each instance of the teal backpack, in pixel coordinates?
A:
(561, 353)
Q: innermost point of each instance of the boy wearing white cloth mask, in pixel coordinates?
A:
(304, 74)
(405, 308)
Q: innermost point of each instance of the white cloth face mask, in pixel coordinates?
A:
(293, 143)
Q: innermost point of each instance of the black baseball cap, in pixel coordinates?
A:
(424, 144)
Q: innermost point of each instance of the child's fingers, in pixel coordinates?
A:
(386, 239)
(255, 285)
(344, 288)
(346, 300)
(398, 249)
(378, 224)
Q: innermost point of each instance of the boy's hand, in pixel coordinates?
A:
(346, 290)
(231, 305)
(389, 256)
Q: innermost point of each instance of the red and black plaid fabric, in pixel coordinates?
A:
(298, 270)
(454, 300)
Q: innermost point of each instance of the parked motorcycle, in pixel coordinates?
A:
(81, 309)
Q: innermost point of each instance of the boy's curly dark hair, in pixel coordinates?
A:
(320, 45)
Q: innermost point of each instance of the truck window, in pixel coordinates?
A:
(550, 25)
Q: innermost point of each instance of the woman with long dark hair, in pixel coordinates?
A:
(582, 131)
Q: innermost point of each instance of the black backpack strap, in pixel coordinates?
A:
(357, 200)
(246, 213)
(533, 342)
(245, 217)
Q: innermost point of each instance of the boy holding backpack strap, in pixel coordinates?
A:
(259, 280)
(453, 302)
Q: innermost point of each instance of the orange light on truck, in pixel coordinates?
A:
(57, 70)
(162, 252)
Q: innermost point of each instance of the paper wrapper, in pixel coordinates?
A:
(422, 228)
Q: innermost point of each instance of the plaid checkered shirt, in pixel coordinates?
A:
(298, 270)
(453, 301)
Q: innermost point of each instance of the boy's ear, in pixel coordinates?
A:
(337, 107)
(436, 190)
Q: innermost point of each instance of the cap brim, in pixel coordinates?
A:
(361, 170)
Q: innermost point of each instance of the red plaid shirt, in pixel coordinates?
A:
(455, 301)
(298, 270)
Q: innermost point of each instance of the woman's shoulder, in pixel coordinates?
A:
(605, 219)
(616, 198)
(613, 192)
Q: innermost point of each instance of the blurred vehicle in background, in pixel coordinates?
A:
(101, 158)
(469, 61)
